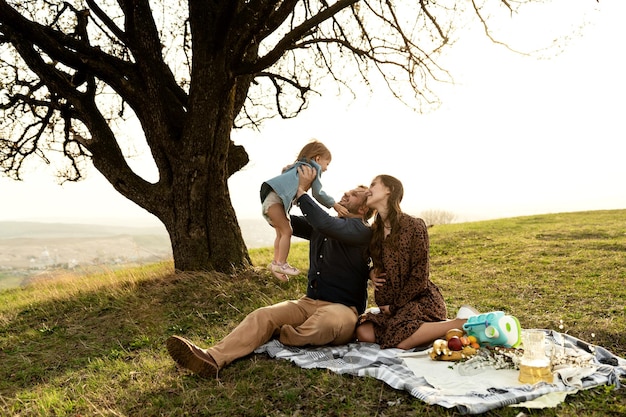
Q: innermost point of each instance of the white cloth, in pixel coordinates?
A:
(446, 379)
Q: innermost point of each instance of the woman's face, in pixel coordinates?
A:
(377, 194)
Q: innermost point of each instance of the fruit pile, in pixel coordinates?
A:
(457, 346)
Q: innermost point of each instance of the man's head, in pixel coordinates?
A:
(355, 201)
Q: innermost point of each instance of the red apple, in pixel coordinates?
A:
(455, 343)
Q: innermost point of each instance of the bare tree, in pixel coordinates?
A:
(77, 75)
(434, 217)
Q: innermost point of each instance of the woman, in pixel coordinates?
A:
(412, 310)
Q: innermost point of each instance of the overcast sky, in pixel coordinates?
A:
(514, 136)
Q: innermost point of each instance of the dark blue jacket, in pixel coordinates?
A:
(338, 267)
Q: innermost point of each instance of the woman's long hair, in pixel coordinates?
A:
(393, 218)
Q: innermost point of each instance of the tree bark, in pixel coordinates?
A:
(209, 240)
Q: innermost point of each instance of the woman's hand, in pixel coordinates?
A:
(378, 278)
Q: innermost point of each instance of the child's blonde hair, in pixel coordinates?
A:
(314, 149)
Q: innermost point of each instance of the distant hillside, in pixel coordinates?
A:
(32, 249)
(29, 249)
(256, 232)
(37, 230)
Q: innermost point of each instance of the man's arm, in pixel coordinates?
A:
(300, 226)
(349, 230)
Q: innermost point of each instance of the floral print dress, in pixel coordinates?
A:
(412, 297)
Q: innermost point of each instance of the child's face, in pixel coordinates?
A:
(323, 161)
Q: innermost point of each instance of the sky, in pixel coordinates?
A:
(514, 136)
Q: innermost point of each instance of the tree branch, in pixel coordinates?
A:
(289, 40)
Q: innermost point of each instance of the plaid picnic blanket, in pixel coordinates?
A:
(367, 359)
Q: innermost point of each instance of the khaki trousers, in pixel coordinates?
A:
(296, 323)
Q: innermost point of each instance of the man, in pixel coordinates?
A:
(336, 290)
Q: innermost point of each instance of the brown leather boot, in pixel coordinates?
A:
(191, 357)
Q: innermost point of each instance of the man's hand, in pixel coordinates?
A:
(306, 175)
(378, 278)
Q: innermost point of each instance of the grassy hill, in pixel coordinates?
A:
(94, 344)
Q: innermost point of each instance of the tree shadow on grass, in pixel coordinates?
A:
(53, 338)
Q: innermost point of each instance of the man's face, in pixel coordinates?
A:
(354, 199)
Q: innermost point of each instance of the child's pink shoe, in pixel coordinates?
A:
(285, 269)
(276, 272)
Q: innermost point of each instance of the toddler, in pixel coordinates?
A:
(277, 195)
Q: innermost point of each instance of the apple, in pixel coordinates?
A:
(455, 343)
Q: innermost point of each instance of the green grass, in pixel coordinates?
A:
(92, 345)
(9, 281)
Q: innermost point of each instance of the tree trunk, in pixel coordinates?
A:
(201, 221)
(210, 241)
